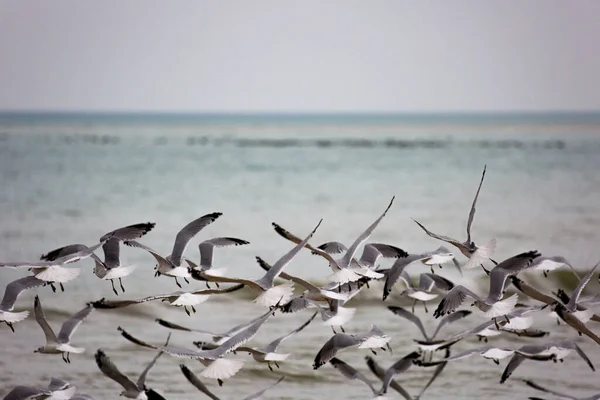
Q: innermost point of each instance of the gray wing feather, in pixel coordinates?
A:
(269, 278)
(26, 393)
(194, 380)
(373, 251)
(38, 311)
(260, 393)
(543, 389)
(177, 327)
(141, 382)
(332, 248)
(272, 347)
(446, 239)
(350, 372)
(173, 351)
(15, 288)
(448, 319)
(347, 258)
(472, 211)
(111, 253)
(62, 251)
(453, 299)
(337, 342)
(396, 270)
(130, 232)
(70, 325)
(380, 373)
(401, 312)
(188, 232)
(427, 281)
(572, 305)
(207, 247)
(111, 371)
(398, 367)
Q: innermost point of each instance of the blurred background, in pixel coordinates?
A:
(113, 113)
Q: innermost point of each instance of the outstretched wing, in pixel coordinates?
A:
(194, 380)
(110, 370)
(188, 232)
(401, 312)
(38, 312)
(261, 392)
(448, 319)
(572, 304)
(472, 211)
(379, 372)
(350, 372)
(130, 232)
(70, 325)
(337, 342)
(543, 389)
(141, 382)
(453, 299)
(15, 288)
(446, 239)
(272, 347)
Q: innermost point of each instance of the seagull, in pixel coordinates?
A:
(12, 292)
(132, 390)
(171, 265)
(489, 352)
(206, 254)
(268, 353)
(559, 394)
(178, 299)
(372, 252)
(440, 256)
(334, 315)
(429, 345)
(312, 292)
(269, 294)
(395, 272)
(111, 267)
(547, 264)
(61, 343)
(343, 272)
(217, 367)
(375, 338)
(518, 325)
(218, 338)
(56, 390)
(194, 380)
(53, 271)
(575, 319)
(544, 352)
(379, 372)
(351, 373)
(492, 305)
(61, 390)
(476, 254)
(427, 282)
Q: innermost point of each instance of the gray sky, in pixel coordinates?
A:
(301, 56)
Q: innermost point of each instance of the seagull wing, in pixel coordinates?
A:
(347, 258)
(543, 389)
(472, 212)
(261, 392)
(448, 319)
(272, 347)
(453, 299)
(27, 393)
(188, 232)
(295, 239)
(398, 367)
(401, 312)
(532, 292)
(372, 252)
(172, 325)
(207, 247)
(111, 253)
(15, 288)
(396, 271)
(62, 251)
(194, 380)
(130, 232)
(71, 324)
(332, 248)
(428, 281)
(436, 373)
(274, 272)
(572, 304)
(141, 382)
(446, 239)
(336, 343)
(38, 311)
(173, 351)
(380, 373)
(350, 372)
(110, 370)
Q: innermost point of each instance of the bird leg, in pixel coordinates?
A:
(62, 288)
(186, 280)
(425, 305)
(277, 365)
(177, 282)
(431, 268)
(413, 305)
(389, 347)
(497, 362)
(496, 323)
(333, 329)
(373, 351)
(52, 286)
(63, 357)
(193, 309)
(10, 326)
(269, 365)
(485, 339)
(367, 283)
(507, 319)
(121, 283)
(343, 330)
(207, 285)
(113, 287)
(220, 382)
(69, 358)
(545, 274)
(485, 270)
(186, 311)
(156, 274)
(217, 283)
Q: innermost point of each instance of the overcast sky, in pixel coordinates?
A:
(300, 56)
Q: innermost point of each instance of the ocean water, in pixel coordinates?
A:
(70, 178)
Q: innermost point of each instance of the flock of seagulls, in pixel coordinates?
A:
(221, 354)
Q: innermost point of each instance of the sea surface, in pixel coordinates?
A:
(68, 178)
